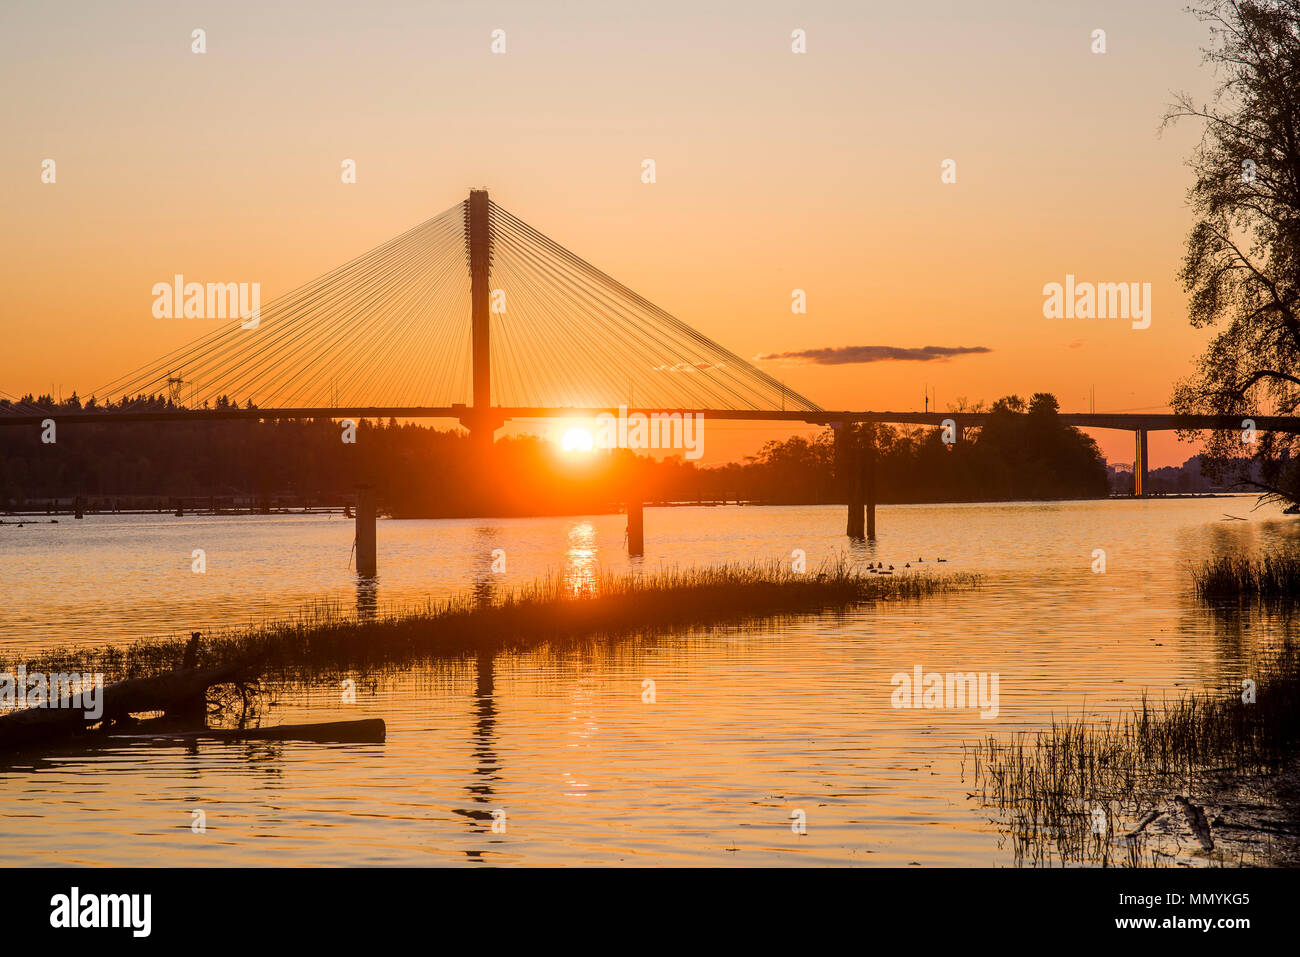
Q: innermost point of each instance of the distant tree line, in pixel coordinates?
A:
(140, 403)
(1022, 452)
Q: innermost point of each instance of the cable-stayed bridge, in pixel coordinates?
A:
(387, 334)
(548, 335)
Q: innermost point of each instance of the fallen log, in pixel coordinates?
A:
(364, 731)
(1148, 818)
(179, 694)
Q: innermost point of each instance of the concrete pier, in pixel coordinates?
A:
(366, 558)
(1140, 463)
(856, 525)
(869, 477)
(848, 460)
(635, 526)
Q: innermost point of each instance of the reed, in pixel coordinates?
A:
(1048, 784)
(323, 640)
(1272, 576)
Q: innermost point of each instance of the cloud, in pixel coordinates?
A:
(845, 355)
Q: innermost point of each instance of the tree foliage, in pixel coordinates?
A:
(1242, 263)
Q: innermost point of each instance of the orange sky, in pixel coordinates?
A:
(775, 171)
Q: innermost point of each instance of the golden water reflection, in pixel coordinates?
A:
(580, 568)
(750, 722)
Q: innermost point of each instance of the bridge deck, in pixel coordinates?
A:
(1131, 422)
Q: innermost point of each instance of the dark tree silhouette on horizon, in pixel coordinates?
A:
(1024, 452)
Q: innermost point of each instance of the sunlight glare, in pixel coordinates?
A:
(577, 440)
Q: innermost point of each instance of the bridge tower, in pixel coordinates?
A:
(482, 425)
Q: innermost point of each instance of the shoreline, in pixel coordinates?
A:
(253, 511)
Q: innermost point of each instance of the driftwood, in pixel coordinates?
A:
(1142, 824)
(182, 698)
(180, 694)
(1195, 816)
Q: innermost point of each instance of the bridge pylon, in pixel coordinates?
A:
(478, 233)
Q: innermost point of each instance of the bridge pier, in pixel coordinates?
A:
(856, 526)
(869, 478)
(1140, 463)
(635, 525)
(366, 559)
(856, 455)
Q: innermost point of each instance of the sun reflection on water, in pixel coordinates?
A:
(580, 559)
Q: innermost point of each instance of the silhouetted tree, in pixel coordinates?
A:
(1242, 266)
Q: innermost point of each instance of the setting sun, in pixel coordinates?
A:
(577, 440)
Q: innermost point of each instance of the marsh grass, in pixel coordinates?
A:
(1272, 576)
(1047, 785)
(323, 641)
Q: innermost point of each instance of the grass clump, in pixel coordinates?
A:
(1272, 576)
(550, 611)
(1048, 786)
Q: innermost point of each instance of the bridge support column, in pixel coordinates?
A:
(856, 525)
(869, 477)
(849, 463)
(1140, 463)
(635, 525)
(366, 558)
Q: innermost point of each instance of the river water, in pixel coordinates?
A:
(751, 733)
